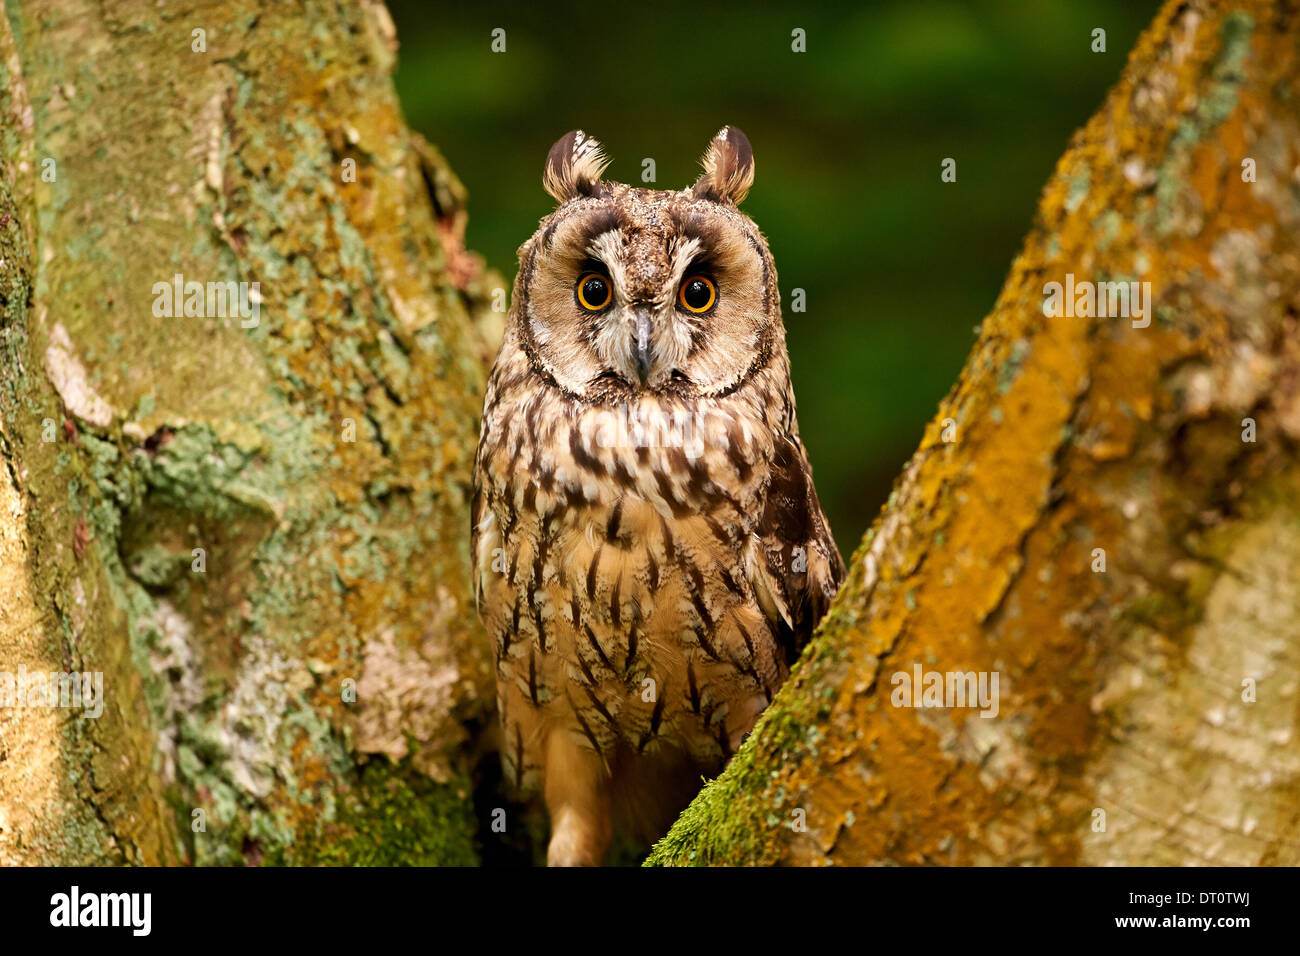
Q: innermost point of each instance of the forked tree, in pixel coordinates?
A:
(256, 530)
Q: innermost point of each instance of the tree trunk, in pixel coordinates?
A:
(234, 520)
(1104, 513)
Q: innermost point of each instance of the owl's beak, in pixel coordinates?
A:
(642, 317)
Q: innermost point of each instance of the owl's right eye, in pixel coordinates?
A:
(593, 292)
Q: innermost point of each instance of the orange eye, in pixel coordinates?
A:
(593, 292)
(697, 294)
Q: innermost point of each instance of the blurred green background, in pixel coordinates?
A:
(897, 266)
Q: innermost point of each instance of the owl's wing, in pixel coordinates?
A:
(794, 565)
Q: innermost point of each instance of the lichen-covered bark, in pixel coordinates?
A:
(320, 459)
(1164, 690)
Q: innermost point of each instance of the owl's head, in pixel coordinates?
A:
(625, 290)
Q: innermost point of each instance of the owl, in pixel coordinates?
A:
(649, 552)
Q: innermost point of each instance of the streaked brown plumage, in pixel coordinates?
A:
(650, 555)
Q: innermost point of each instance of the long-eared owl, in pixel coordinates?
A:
(650, 554)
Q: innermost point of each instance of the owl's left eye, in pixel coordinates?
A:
(593, 292)
(697, 294)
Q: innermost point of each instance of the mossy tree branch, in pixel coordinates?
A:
(1163, 691)
(320, 457)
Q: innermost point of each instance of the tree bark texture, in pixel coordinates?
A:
(1149, 713)
(320, 460)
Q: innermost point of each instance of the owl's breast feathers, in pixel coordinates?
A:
(648, 572)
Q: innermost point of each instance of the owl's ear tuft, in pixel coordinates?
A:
(574, 167)
(728, 168)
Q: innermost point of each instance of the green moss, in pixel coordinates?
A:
(1229, 71)
(1011, 367)
(1106, 227)
(1215, 106)
(392, 816)
(1079, 183)
(736, 817)
(155, 566)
